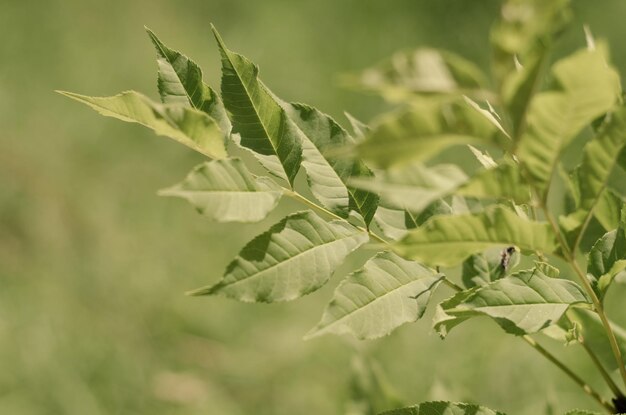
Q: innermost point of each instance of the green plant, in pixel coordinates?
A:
(505, 220)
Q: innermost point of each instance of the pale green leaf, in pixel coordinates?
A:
(395, 223)
(359, 128)
(372, 302)
(293, 258)
(423, 71)
(446, 241)
(225, 191)
(443, 408)
(594, 334)
(501, 182)
(586, 88)
(483, 158)
(328, 176)
(413, 187)
(258, 120)
(180, 82)
(423, 130)
(522, 303)
(188, 126)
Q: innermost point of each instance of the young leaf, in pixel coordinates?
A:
(447, 241)
(293, 258)
(329, 176)
(260, 122)
(225, 191)
(607, 258)
(188, 126)
(423, 130)
(522, 303)
(587, 87)
(594, 335)
(443, 408)
(423, 71)
(180, 82)
(372, 302)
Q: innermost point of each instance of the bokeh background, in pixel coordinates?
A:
(93, 265)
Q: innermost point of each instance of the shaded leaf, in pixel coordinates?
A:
(188, 126)
(586, 87)
(522, 303)
(225, 191)
(180, 82)
(293, 258)
(372, 302)
(260, 123)
(443, 408)
(423, 71)
(447, 241)
(607, 258)
(423, 130)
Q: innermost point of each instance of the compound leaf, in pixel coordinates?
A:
(188, 126)
(293, 258)
(225, 191)
(373, 301)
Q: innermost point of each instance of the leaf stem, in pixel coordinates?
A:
(568, 256)
(588, 389)
(297, 196)
(607, 378)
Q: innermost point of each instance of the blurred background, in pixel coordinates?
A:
(93, 265)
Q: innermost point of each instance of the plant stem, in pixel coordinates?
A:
(569, 257)
(297, 196)
(607, 378)
(588, 389)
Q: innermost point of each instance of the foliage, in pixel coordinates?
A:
(425, 215)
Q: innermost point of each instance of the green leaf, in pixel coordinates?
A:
(446, 241)
(329, 176)
(443, 408)
(521, 40)
(423, 71)
(607, 258)
(372, 302)
(258, 119)
(413, 187)
(359, 128)
(600, 156)
(188, 126)
(180, 82)
(501, 182)
(586, 88)
(225, 191)
(594, 334)
(423, 130)
(293, 258)
(522, 303)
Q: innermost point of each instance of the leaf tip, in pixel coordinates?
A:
(200, 291)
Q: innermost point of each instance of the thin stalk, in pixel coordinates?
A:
(568, 256)
(588, 389)
(545, 353)
(607, 378)
(297, 196)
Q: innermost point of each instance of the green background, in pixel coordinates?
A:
(93, 265)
